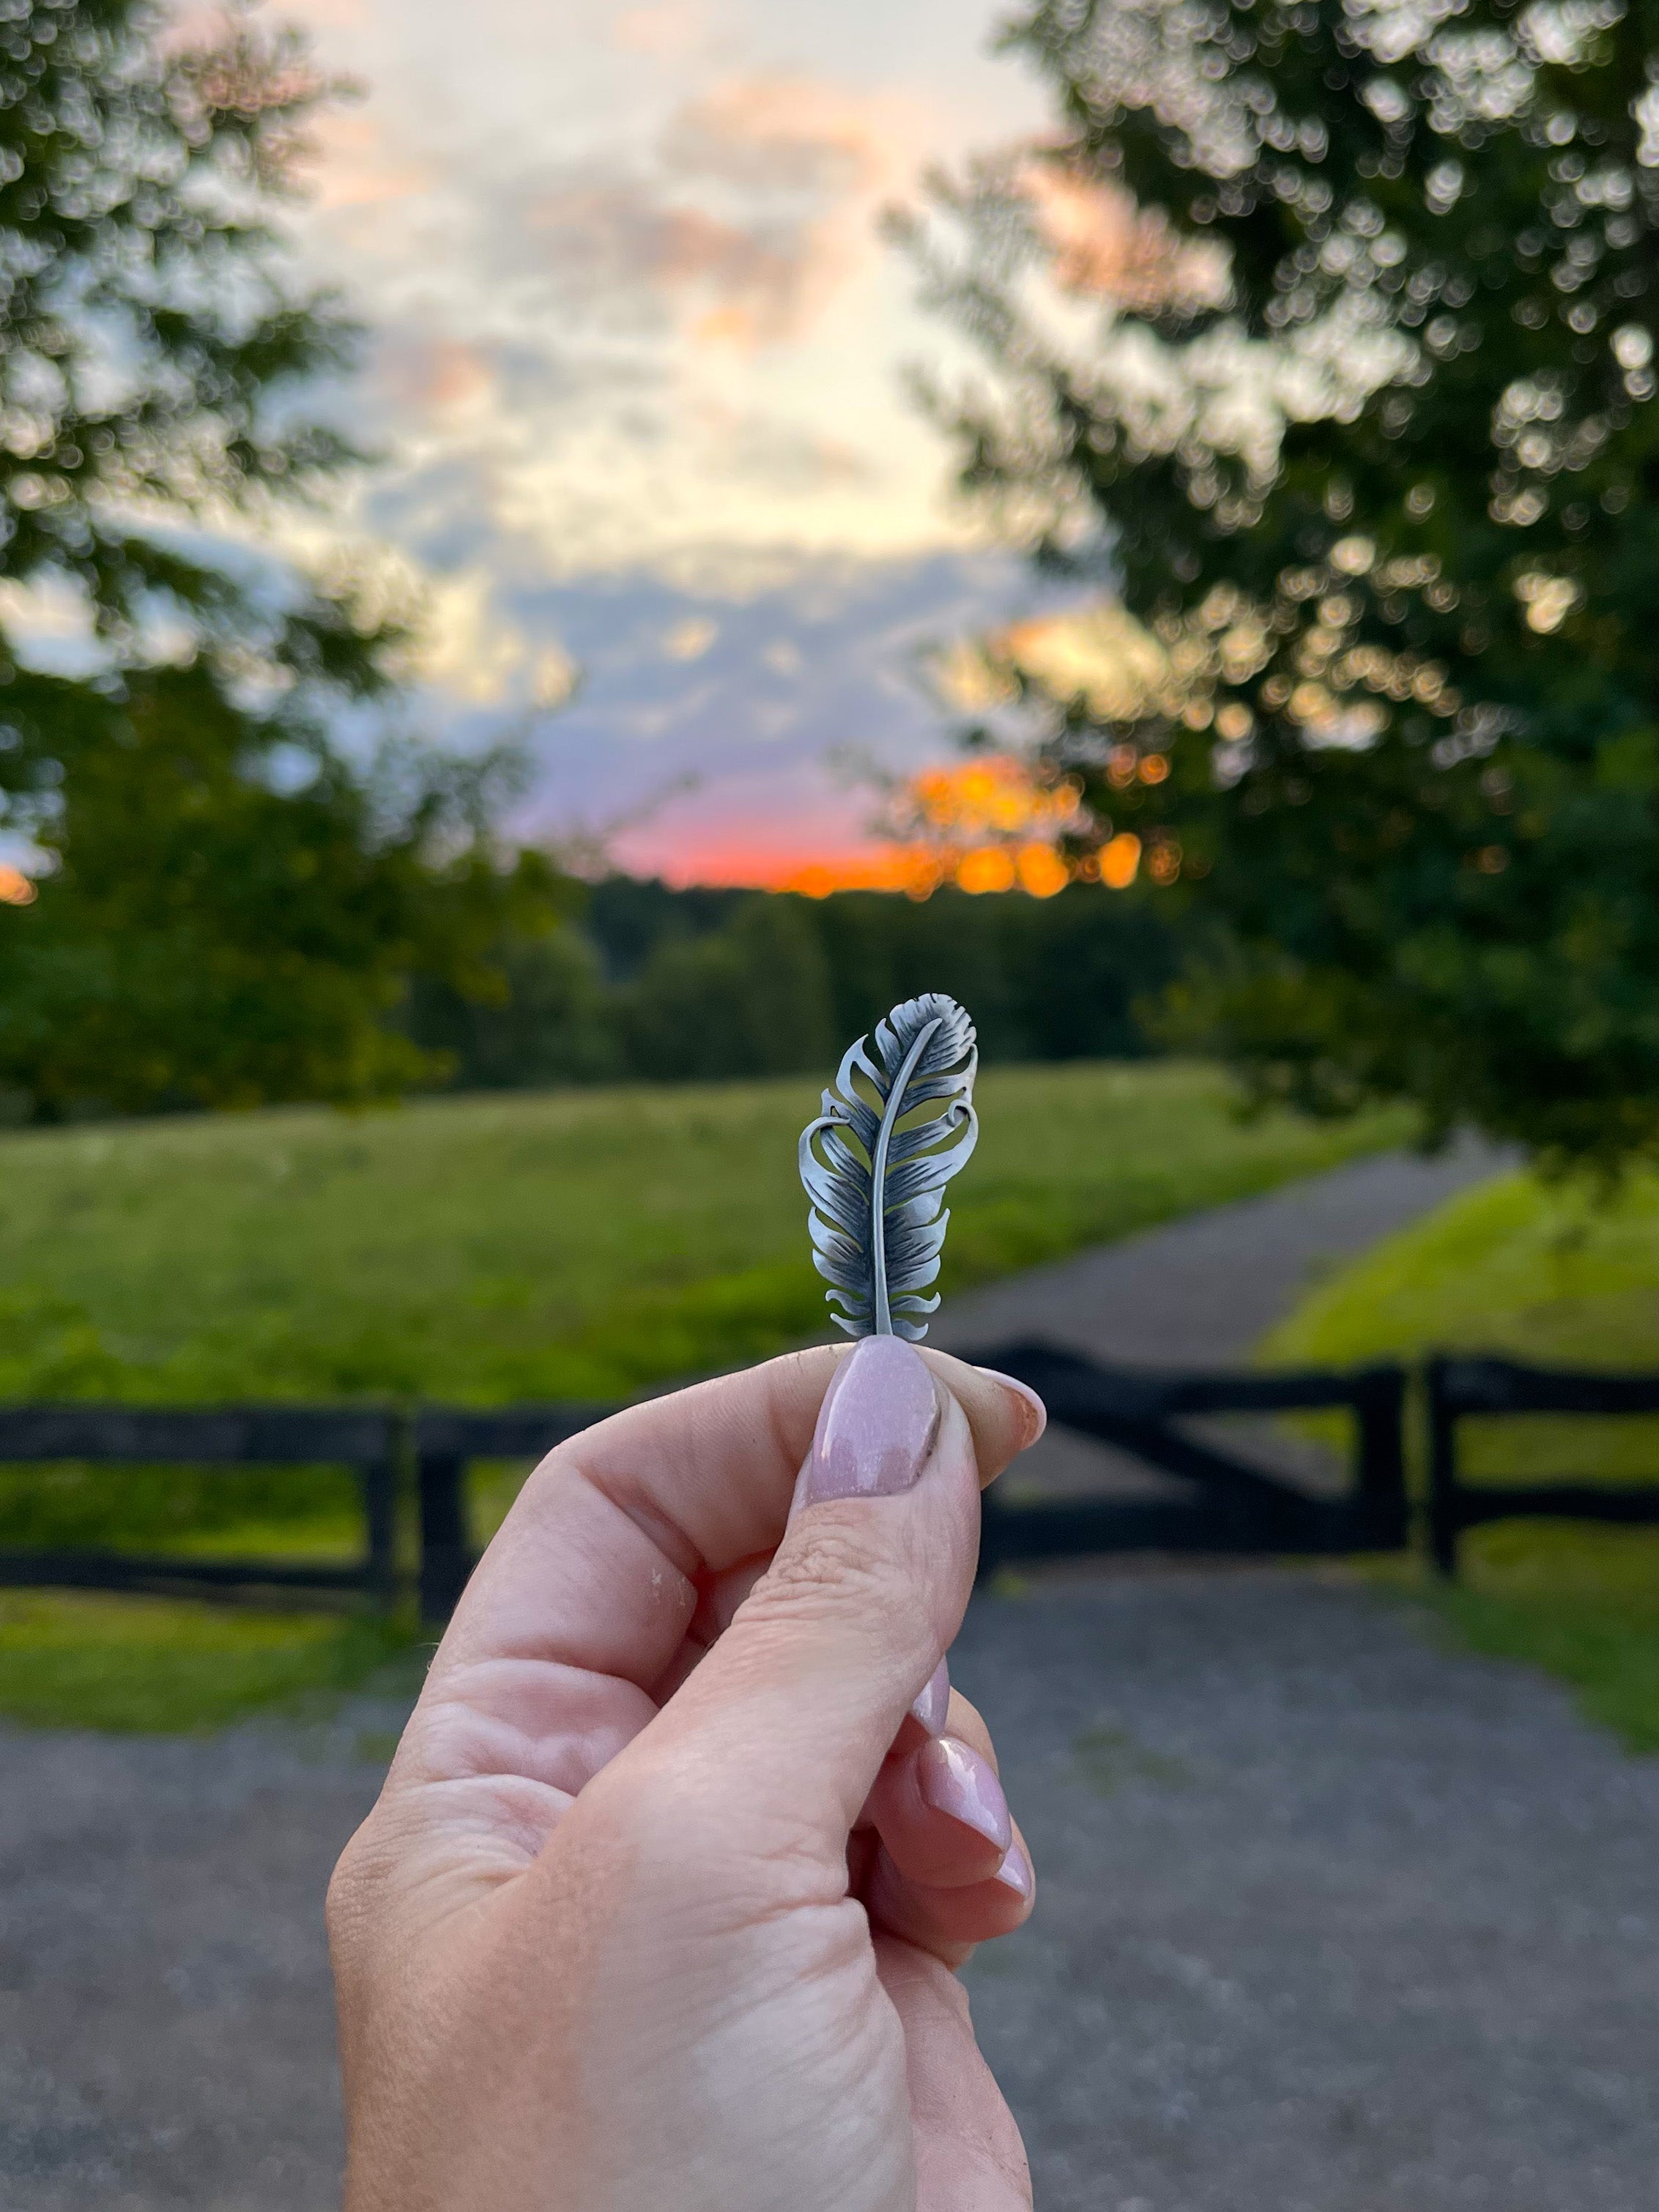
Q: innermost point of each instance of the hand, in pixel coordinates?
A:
(658, 1907)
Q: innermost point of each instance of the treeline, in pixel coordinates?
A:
(665, 986)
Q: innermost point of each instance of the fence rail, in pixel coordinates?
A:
(1236, 1506)
(1232, 1505)
(366, 1441)
(1458, 1389)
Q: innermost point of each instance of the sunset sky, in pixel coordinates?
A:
(639, 371)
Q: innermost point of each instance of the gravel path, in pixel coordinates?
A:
(1330, 1921)
(1327, 1920)
(166, 2022)
(1200, 1291)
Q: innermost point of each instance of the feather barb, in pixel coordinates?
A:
(896, 1125)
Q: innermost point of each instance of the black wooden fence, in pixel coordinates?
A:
(446, 1441)
(1460, 1389)
(1233, 1505)
(223, 1437)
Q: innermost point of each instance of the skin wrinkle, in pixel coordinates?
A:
(515, 1692)
(483, 1746)
(679, 1550)
(829, 1944)
(510, 1682)
(498, 1813)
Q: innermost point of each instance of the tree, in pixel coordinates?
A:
(232, 904)
(212, 940)
(1329, 331)
(751, 999)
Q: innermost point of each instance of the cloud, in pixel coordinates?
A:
(478, 657)
(1101, 243)
(630, 315)
(669, 29)
(780, 134)
(690, 639)
(740, 221)
(625, 250)
(437, 375)
(354, 166)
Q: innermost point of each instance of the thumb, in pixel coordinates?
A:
(790, 1716)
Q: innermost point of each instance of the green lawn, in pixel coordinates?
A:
(141, 1663)
(570, 1244)
(1549, 1274)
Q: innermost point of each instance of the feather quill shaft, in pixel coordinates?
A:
(876, 1161)
(878, 1182)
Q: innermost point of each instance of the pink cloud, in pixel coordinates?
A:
(436, 374)
(763, 828)
(670, 28)
(793, 134)
(355, 167)
(753, 214)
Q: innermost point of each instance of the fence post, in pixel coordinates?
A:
(1444, 1520)
(1379, 1404)
(446, 1560)
(380, 1484)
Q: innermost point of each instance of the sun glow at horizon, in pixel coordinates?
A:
(987, 825)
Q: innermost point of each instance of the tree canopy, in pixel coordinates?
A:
(1328, 333)
(232, 898)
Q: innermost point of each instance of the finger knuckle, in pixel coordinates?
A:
(828, 1559)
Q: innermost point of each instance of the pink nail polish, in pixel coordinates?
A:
(1015, 1872)
(1037, 1411)
(932, 1707)
(876, 1424)
(955, 1780)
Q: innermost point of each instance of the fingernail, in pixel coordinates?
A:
(1015, 1872)
(955, 1780)
(876, 1426)
(1036, 1411)
(932, 1707)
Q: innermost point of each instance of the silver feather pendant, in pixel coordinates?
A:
(875, 1164)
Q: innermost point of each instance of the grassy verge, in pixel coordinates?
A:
(134, 1663)
(573, 1245)
(1547, 1274)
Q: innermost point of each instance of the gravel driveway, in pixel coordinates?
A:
(1327, 1920)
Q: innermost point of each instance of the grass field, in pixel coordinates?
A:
(570, 1244)
(1549, 1274)
(576, 1244)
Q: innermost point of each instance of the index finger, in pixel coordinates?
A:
(597, 1564)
